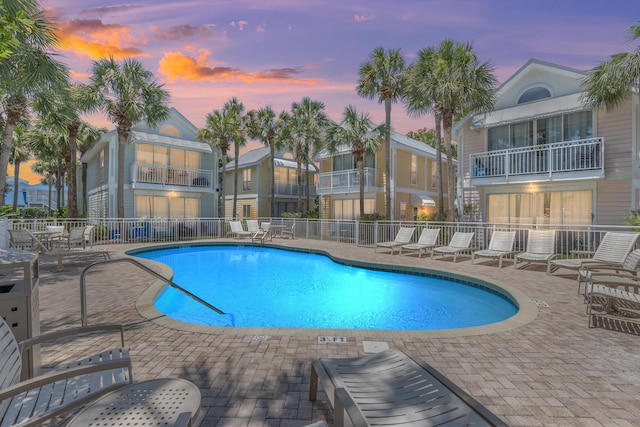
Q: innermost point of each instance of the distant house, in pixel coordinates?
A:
(34, 195)
(414, 181)
(254, 192)
(168, 173)
(542, 157)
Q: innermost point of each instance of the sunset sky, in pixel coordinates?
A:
(274, 52)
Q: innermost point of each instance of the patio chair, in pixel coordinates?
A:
(393, 388)
(541, 249)
(612, 250)
(75, 238)
(288, 232)
(60, 254)
(501, 245)
(402, 238)
(25, 240)
(593, 273)
(426, 242)
(460, 242)
(237, 231)
(29, 402)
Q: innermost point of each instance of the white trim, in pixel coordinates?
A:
(529, 111)
(170, 141)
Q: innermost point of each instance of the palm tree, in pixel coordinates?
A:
(219, 134)
(309, 123)
(356, 131)
(127, 93)
(68, 103)
(234, 109)
(613, 81)
(25, 73)
(20, 152)
(16, 24)
(266, 126)
(50, 144)
(48, 170)
(454, 82)
(382, 76)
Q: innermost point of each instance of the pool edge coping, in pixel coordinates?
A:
(145, 304)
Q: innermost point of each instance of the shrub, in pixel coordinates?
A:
(433, 216)
(373, 217)
(34, 213)
(291, 215)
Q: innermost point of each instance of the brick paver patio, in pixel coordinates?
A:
(549, 369)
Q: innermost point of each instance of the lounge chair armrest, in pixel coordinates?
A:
(53, 376)
(71, 332)
(183, 420)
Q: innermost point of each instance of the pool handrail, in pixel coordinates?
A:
(83, 286)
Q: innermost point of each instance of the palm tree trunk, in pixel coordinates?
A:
(223, 212)
(85, 205)
(59, 184)
(438, 120)
(361, 183)
(49, 207)
(447, 123)
(299, 176)
(389, 211)
(16, 182)
(122, 143)
(307, 185)
(5, 152)
(272, 164)
(236, 153)
(72, 211)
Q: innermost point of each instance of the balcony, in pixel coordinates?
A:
(150, 176)
(569, 160)
(286, 188)
(346, 181)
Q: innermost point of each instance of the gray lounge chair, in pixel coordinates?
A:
(402, 238)
(501, 245)
(427, 241)
(593, 273)
(237, 231)
(612, 250)
(460, 242)
(394, 389)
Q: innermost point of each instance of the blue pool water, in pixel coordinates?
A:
(264, 287)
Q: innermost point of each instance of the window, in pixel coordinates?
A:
(246, 211)
(414, 169)
(341, 162)
(101, 166)
(534, 94)
(167, 207)
(566, 127)
(246, 179)
(403, 210)
(350, 209)
(557, 207)
(165, 156)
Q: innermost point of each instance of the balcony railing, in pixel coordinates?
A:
(582, 159)
(166, 175)
(346, 181)
(285, 188)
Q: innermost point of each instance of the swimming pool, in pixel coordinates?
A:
(267, 287)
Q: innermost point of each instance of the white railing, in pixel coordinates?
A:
(285, 188)
(168, 175)
(346, 181)
(552, 161)
(571, 239)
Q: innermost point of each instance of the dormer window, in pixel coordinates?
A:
(534, 94)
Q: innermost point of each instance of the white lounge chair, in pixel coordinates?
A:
(252, 226)
(501, 245)
(460, 242)
(593, 273)
(394, 389)
(263, 233)
(541, 249)
(614, 300)
(427, 241)
(402, 238)
(237, 231)
(31, 401)
(612, 250)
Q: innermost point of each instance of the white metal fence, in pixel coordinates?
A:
(571, 240)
